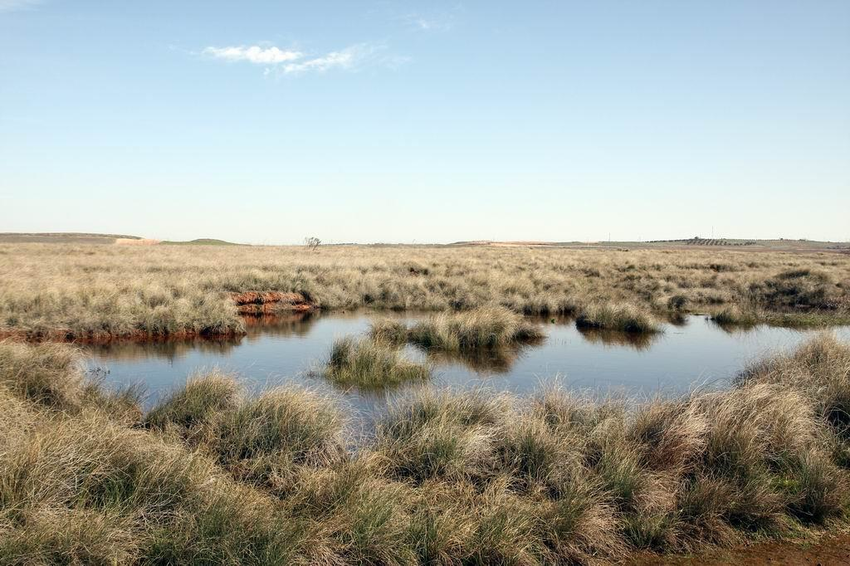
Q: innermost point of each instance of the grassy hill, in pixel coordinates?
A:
(200, 242)
(61, 238)
(106, 239)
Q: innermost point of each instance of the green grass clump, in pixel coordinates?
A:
(49, 374)
(201, 400)
(735, 316)
(622, 317)
(88, 489)
(482, 328)
(266, 438)
(371, 365)
(389, 331)
(439, 434)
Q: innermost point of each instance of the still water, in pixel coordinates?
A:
(275, 351)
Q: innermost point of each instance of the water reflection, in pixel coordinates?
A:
(490, 361)
(165, 349)
(285, 349)
(281, 325)
(612, 338)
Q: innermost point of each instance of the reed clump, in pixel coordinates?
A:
(481, 328)
(735, 316)
(371, 364)
(197, 404)
(389, 331)
(621, 317)
(212, 475)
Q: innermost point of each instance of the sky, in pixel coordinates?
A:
(426, 122)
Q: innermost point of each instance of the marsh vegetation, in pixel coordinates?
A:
(101, 292)
(213, 474)
(371, 364)
(217, 476)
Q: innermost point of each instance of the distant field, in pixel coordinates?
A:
(77, 291)
(749, 245)
(61, 238)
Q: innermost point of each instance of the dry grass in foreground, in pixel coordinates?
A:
(69, 291)
(211, 476)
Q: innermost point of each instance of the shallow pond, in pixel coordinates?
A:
(694, 354)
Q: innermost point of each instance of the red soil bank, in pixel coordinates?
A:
(257, 302)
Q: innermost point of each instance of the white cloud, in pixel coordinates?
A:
(253, 54)
(348, 58)
(438, 22)
(11, 5)
(290, 62)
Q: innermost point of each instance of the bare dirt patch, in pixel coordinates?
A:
(828, 550)
(269, 302)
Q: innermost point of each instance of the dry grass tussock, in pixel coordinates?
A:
(371, 364)
(212, 475)
(82, 291)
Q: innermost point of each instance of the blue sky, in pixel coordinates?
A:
(431, 121)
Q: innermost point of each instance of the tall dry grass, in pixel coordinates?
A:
(101, 291)
(211, 475)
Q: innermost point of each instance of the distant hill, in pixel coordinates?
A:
(62, 238)
(200, 242)
(105, 239)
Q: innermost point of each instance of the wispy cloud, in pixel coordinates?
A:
(11, 5)
(253, 54)
(292, 62)
(432, 22)
(347, 59)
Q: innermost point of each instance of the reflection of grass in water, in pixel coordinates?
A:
(484, 361)
(165, 349)
(637, 340)
(486, 340)
(282, 325)
(490, 361)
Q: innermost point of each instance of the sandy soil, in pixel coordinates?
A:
(829, 550)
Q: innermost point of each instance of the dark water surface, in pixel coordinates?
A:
(697, 353)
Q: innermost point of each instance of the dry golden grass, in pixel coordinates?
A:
(212, 476)
(101, 291)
